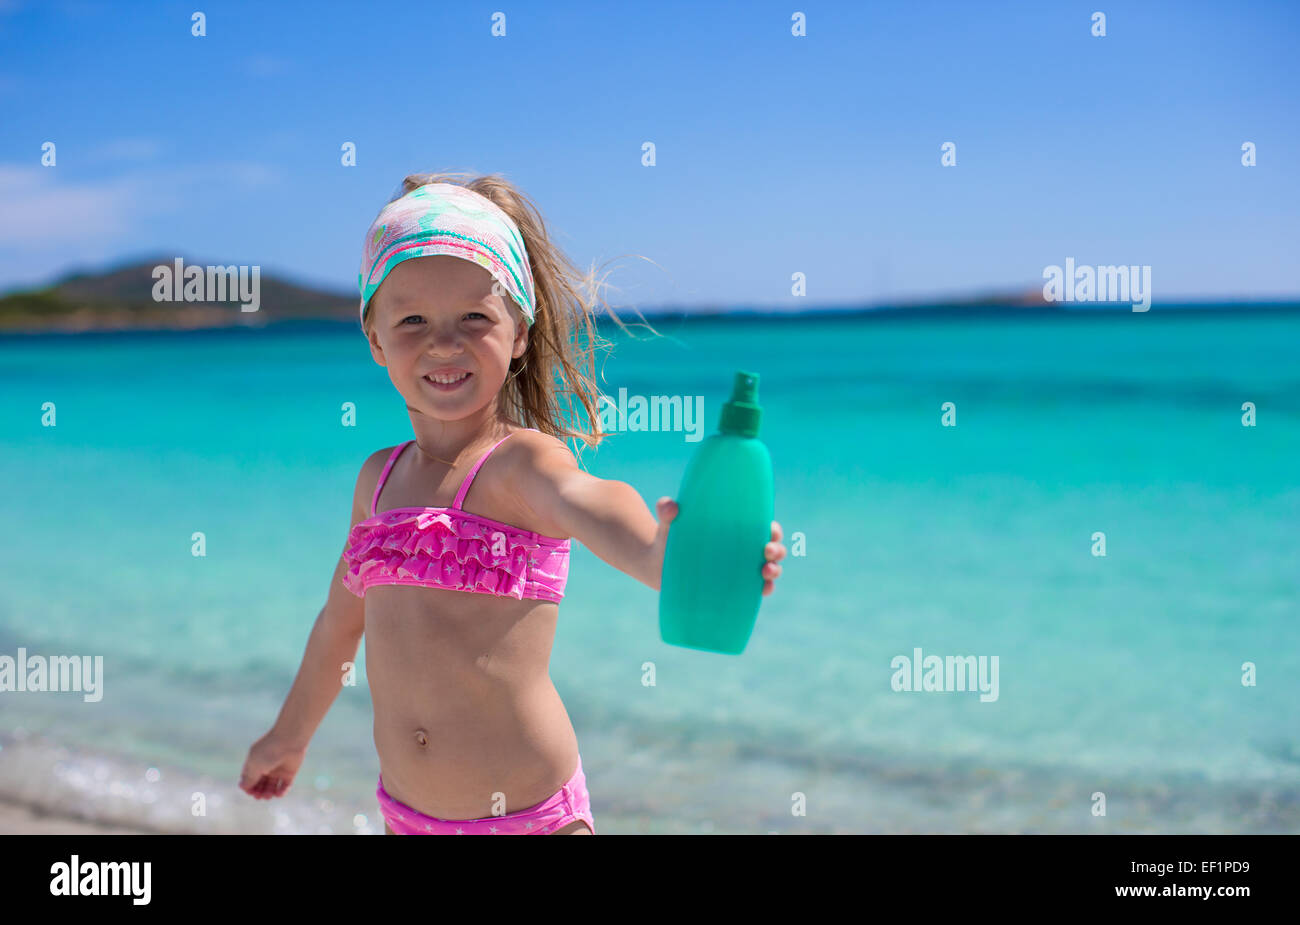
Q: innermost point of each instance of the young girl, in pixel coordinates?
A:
(458, 550)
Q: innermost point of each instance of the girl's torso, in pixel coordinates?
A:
(464, 704)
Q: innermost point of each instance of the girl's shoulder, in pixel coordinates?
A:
(524, 484)
(368, 478)
(379, 457)
(375, 463)
(529, 447)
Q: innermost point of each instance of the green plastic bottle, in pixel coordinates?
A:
(712, 581)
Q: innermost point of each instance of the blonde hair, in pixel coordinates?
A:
(563, 341)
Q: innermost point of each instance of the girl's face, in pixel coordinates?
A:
(444, 316)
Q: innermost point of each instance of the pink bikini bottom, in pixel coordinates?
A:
(569, 803)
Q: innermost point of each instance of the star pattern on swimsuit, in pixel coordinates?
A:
(493, 830)
(460, 831)
(528, 825)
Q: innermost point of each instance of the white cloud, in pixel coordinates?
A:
(48, 225)
(39, 209)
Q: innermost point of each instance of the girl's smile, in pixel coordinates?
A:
(449, 380)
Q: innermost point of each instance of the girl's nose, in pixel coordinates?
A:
(444, 339)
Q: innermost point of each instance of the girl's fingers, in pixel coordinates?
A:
(265, 788)
(776, 531)
(774, 551)
(248, 782)
(771, 570)
(767, 587)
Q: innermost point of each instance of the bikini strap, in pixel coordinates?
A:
(464, 486)
(383, 476)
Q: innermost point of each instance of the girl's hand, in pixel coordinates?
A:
(270, 768)
(666, 509)
(773, 552)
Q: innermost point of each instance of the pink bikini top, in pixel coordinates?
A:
(449, 548)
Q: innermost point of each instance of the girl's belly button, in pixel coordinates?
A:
(421, 738)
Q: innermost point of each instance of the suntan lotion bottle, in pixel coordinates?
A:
(712, 582)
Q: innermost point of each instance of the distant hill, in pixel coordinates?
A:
(122, 298)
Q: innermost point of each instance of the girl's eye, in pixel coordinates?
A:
(420, 318)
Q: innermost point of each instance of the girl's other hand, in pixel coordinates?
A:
(666, 510)
(270, 767)
(773, 552)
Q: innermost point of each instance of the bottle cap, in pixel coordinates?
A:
(741, 415)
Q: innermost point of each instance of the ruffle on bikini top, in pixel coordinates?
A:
(450, 549)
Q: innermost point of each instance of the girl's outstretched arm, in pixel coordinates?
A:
(274, 759)
(608, 517)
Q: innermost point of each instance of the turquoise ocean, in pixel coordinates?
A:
(1120, 676)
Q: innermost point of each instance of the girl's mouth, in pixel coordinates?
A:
(445, 386)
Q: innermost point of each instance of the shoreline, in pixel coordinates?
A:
(703, 788)
(20, 819)
(199, 319)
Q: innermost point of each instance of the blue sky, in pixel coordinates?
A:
(775, 154)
